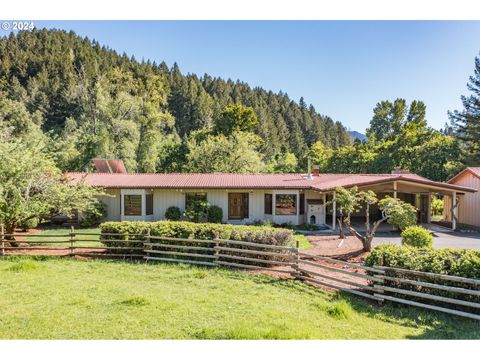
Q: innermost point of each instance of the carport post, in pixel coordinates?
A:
(394, 189)
(454, 210)
(334, 211)
(429, 207)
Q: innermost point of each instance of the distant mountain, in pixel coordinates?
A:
(356, 135)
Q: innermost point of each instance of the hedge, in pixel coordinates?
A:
(463, 263)
(188, 230)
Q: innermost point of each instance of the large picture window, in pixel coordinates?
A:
(149, 204)
(132, 205)
(268, 204)
(285, 204)
(194, 196)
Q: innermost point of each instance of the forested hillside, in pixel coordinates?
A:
(85, 101)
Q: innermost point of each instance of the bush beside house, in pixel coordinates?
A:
(201, 231)
(173, 213)
(214, 214)
(186, 230)
(417, 236)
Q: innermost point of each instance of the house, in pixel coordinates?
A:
(244, 198)
(469, 205)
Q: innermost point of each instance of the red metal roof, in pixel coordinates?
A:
(109, 166)
(248, 181)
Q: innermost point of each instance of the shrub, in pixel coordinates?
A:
(197, 211)
(136, 230)
(173, 213)
(417, 236)
(29, 224)
(463, 263)
(456, 262)
(214, 214)
(94, 216)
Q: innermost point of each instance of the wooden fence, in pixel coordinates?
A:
(450, 294)
(75, 244)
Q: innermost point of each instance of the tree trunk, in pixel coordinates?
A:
(10, 229)
(367, 243)
(341, 233)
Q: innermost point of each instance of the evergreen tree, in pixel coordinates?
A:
(467, 121)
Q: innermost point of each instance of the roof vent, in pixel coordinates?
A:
(109, 166)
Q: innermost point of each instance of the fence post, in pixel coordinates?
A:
(376, 289)
(72, 240)
(296, 258)
(2, 231)
(147, 240)
(217, 252)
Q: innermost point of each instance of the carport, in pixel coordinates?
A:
(413, 189)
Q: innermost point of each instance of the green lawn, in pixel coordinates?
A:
(304, 244)
(62, 231)
(55, 298)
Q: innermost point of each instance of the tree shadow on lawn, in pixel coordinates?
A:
(436, 325)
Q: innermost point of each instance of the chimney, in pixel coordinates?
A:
(316, 170)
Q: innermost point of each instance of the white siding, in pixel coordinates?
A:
(469, 204)
(112, 200)
(164, 198)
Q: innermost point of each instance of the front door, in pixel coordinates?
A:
(235, 205)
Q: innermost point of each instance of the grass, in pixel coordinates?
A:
(304, 244)
(437, 217)
(63, 231)
(99, 299)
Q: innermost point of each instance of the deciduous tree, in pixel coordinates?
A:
(31, 186)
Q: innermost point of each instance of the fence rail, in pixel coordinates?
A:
(449, 294)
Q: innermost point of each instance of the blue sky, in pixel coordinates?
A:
(343, 68)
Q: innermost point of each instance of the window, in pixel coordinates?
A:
(191, 196)
(268, 204)
(285, 204)
(132, 205)
(302, 204)
(149, 204)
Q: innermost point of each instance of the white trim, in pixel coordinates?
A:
(334, 211)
